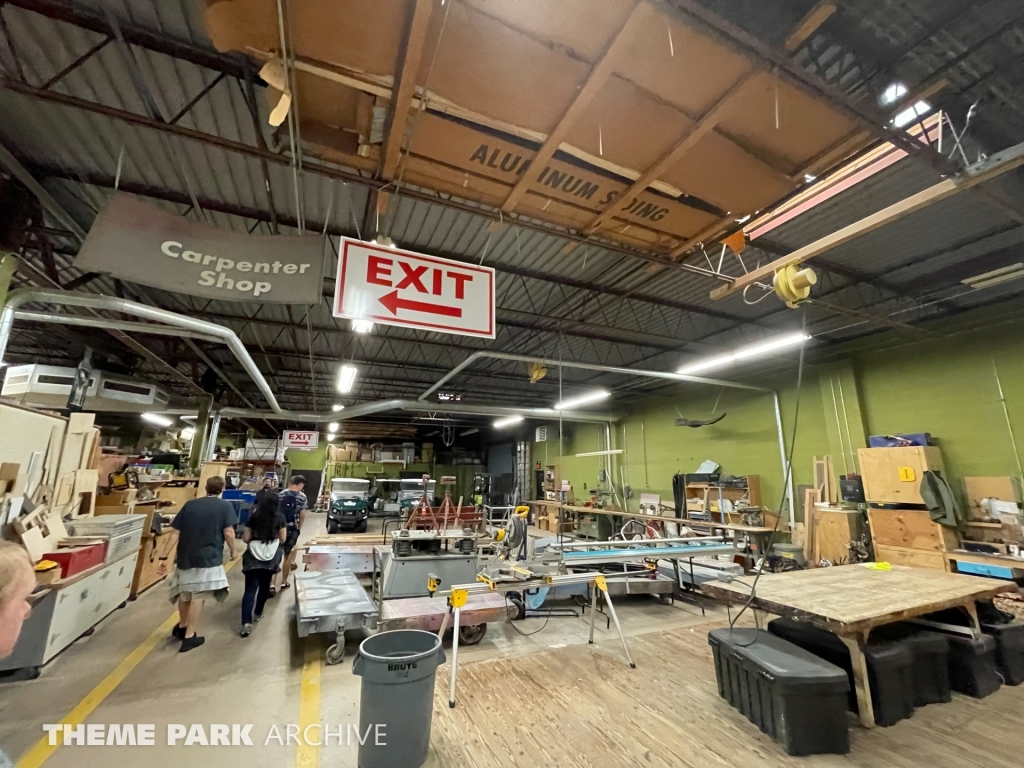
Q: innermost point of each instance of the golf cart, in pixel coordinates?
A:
(350, 505)
(411, 491)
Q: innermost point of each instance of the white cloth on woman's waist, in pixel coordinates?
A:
(205, 582)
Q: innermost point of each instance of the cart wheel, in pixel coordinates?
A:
(333, 527)
(666, 599)
(336, 654)
(31, 673)
(472, 635)
(516, 607)
(361, 527)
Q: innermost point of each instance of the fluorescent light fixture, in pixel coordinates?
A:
(995, 277)
(156, 418)
(362, 326)
(347, 378)
(467, 433)
(337, 407)
(599, 453)
(893, 93)
(330, 438)
(508, 421)
(706, 365)
(744, 353)
(573, 402)
(332, 427)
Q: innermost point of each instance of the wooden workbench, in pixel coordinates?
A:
(851, 600)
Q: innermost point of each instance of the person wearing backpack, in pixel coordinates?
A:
(264, 536)
(292, 507)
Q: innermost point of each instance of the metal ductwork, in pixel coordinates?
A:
(585, 366)
(172, 323)
(416, 406)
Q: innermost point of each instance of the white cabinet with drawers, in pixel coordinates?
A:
(69, 610)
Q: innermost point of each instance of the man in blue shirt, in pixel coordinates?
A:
(204, 526)
(293, 509)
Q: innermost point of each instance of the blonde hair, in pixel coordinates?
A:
(14, 562)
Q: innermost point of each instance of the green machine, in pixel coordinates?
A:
(350, 506)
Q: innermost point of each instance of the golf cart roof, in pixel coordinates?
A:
(349, 480)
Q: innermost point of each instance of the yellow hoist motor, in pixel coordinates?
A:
(793, 284)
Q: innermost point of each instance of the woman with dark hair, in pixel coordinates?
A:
(264, 534)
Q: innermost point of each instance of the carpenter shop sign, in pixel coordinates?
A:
(294, 438)
(139, 242)
(395, 287)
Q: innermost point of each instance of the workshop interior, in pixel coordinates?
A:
(399, 383)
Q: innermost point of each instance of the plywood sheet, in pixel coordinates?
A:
(691, 74)
(490, 68)
(806, 127)
(363, 35)
(582, 27)
(721, 173)
(628, 127)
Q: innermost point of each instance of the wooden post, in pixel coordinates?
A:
(856, 644)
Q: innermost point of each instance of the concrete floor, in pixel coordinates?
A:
(256, 680)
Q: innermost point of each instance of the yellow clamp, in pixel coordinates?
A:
(650, 564)
(433, 582)
(600, 583)
(500, 535)
(458, 597)
(793, 285)
(522, 510)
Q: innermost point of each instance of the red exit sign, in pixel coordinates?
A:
(396, 287)
(294, 438)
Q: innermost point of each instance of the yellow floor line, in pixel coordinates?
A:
(306, 754)
(42, 750)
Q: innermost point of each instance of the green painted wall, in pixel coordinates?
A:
(888, 384)
(315, 459)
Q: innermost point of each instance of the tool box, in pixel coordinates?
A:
(74, 560)
(931, 661)
(1009, 650)
(793, 696)
(972, 665)
(890, 667)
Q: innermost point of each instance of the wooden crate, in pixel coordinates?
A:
(893, 475)
(911, 529)
(834, 529)
(915, 558)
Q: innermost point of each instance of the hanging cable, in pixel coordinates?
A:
(785, 490)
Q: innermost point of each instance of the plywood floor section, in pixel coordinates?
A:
(583, 707)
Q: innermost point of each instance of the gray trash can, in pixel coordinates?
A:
(397, 697)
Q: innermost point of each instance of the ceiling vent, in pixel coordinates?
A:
(49, 386)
